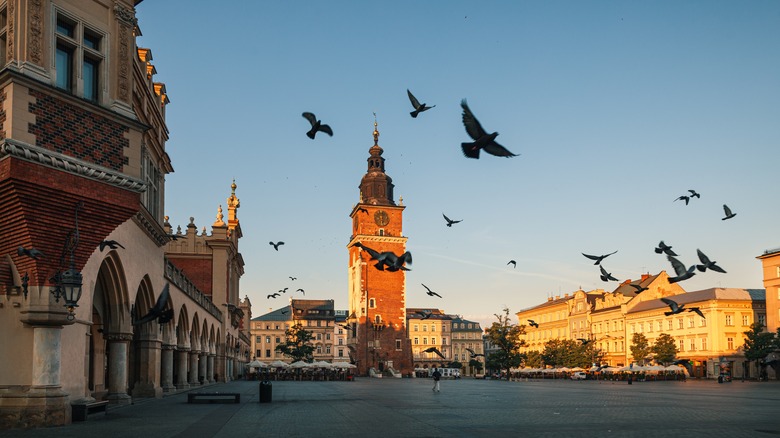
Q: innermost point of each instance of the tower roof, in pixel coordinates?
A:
(376, 187)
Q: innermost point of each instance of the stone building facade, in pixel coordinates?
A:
(82, 164)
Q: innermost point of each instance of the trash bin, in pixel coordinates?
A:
(630, 379)
(265, 391)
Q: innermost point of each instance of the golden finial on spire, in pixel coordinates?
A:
(376, 132)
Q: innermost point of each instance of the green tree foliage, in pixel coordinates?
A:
(570, 353)
(297, 345)
(475, 364)
(533, 359)
(758, 344)
(640, 348)
(455, 364)
(664, 350)
(506, 337)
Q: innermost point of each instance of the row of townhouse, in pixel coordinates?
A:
(451, 335)
(610, 319)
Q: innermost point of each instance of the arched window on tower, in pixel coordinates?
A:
(378, 320)
(372, 303)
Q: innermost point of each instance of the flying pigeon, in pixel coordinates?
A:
(684, 198)
(434, 350)
(430, 292)
(273, 295)
(606, 276)
(533, 323)
(694, 194)
(675, 308)
(598, 259)
(418, 108)
(638, 288)
(276, 245)
(32, 252)
(584, 341)
(695, 309)
(301, 291)
(112, 244)
(293, 278)
(450, 221)
(664, 248)
(363, 210)
(728, 212)
(680, 270)
(424, 314)
(388, 258)
(706, 263)
(316, 125)
(482, 140)
(513, 263)
(474, 353)
(158, 310)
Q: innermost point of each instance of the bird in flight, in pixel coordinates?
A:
(388, 258)
(694, 194)
(598, 259)
(293, 278)
(113, 244)
(606, 276)
(684, 198)
(675, 308)
(533, 323)
(482, 140)
(434, 350)
(638, 288)
(513, 263)
(284, 291)
(664, 248)
(474, 353)
(276, 245)
(707, 263)
(728, 212)
(158, 311)
(32, 252)
(584, 341)
(430, 292)
(680, 270)
(695, 309)
(273, 295)
(418, 108)
(363, 210)
(450, 221)
(284, 312)
(424, 314)
(301, 291)
(316, 125)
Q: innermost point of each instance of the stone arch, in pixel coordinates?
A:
(183, 328)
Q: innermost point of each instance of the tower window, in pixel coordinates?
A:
(78, 58)
(378, 319)
(372, 303)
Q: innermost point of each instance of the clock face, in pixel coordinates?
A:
(381, 218)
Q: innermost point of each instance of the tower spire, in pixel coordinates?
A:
(376, 132)
(376, 187)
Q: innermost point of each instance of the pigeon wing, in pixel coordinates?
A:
(326, 129)
(415, 102)
(592, 257)
(310, 117)
(496, 149)
(473, 128)
(679, 268)
(672, 304)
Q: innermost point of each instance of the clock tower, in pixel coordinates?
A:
(377, 299)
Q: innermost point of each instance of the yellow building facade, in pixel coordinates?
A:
(424, 333)
(770, 263)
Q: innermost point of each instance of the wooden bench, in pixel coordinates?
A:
(81, 411)
(213, 397)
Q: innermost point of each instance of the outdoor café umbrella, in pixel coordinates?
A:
(257, 364)
(278, 364)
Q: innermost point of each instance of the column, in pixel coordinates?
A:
(166, 368)
(182, 365)
(149, 362)
(210, 368)
(202, 360)
(194, 368)
(117, 368)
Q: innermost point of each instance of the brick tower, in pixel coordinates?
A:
(377, 299)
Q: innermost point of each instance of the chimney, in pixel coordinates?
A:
(645, 277)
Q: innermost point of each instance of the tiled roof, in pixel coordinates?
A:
(276, 315)
(552, 302)
(629, 291)
(715, 293)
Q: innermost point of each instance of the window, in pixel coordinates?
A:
(433, 341)
(319, 349)
(341, 341)
(319, 323)
(378, 319)
(703, 343)
(693, 344)
(341, 352)
(257, 353)
(745, 320)
(729, 320)
(268, 352)
(660, 326)
(327, 336)
(443, 341)
(416, 328)
(702, 322)
(425, 328)
(3, 33)
(669, 324)
(641, 327)
(277, 339)
(151, 198)
(691, 324)
(425, 341)
(682, 345)
(416, 341)
(371, 303)
(258, 339)
(78, 58)
(762, 319)
(650, 327)
(730, 343)
(319, 336)
(680, 323)
(327, 349)
(444, 328)
(398, 344)
(267, 339)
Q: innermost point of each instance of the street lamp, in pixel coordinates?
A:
(67, 284)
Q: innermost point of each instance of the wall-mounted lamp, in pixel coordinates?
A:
(67, 283)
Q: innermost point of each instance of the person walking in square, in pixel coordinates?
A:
(436, 377)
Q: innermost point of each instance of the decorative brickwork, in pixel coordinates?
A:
(73, 131)
(199, 271)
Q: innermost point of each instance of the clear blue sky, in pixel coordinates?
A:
(617, 108)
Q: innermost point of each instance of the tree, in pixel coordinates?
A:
(506, 337)
(640, 348)
(455, 364)
(475, 364)
(758, 344)
(297, 344)
(533, 359)
(664, 349)
(569, 353)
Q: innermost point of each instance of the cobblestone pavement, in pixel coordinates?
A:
(463, 408)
